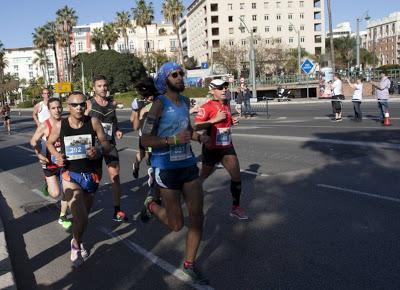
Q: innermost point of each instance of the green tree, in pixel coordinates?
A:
(291, 65)
(143, 15)
(121, 69)
(42, 61)
(97, 38)
(366, 57)
(53, 38)
(172, 11)
(110, 35)
(230, 57)
(156, 59)
(3, 62)
(122, 24)
(66, 19)
(41, 41)
(189, 62)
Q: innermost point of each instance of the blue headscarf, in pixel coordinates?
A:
(160, 80)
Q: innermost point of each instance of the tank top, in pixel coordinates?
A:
(74, 143)
(173, 120)
(43, 113)
(57, 145)
(107, 116)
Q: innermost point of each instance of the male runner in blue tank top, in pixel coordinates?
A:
(77, 135)
(168, 131)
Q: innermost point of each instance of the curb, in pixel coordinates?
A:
(7, 280)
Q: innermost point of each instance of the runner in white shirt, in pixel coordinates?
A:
(357, 98)
(41, 111)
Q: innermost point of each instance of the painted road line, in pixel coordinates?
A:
(360, 192)
(377, 145)
(49, 199)
(15, 178)
(130, 149)
(176, 272)
(26, 148)
(254, 173)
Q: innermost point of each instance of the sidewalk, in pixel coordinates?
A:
(6, 274)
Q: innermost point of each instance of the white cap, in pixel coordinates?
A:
(217, 83)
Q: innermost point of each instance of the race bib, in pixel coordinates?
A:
(223, 137)
(179, 152)
(108, 130)
(75, 146)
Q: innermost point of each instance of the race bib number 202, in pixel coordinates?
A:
(75, 146)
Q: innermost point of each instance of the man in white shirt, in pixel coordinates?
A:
(382, 95)
(337, 97)
(357, 98)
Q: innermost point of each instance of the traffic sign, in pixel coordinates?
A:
(307, 66)
(204, 65)
(63, 87)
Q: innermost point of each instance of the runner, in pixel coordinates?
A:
(215, 116)
(50, 169)
(103, 108)
(40, 110)
(168, 131)
(6, 113)
(140, 108)
(77, 135)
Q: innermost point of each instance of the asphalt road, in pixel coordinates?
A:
(323, 200)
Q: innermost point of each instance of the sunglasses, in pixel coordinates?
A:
(221, 88)
(82, 105)
(177, 73)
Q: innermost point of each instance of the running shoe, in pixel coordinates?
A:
(65, 222)
(135, 169)
(84, 252)
(146, 214)
(195, 274)
(120, 216)
(76, 256)
(238, 212)
(150, 180)
(45, 190)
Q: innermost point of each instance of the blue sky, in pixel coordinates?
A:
(18, 18)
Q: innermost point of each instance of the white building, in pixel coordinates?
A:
(212, 23)
(21, 63)
(341, 30)
(383, 39)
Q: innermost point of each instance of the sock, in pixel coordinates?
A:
(117, 209)
(187, 264)
(236, 189)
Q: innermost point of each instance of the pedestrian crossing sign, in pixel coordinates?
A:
(63, 87)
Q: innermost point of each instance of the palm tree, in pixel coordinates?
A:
(98, 38)
(66, 19)
(172, 11)
(144, 15)
(123, 23)
(41, 41)
(3, 62)
(110, 35)
(332, 53)
(41, 60)
(53, 38)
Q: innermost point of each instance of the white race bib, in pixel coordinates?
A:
(108, 130)
(223, 137)
(75, 146)
(179, 152)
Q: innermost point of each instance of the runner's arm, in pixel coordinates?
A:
(88, 107)
(54, 135)
(40, 131)
(101, 136)
(34, 114)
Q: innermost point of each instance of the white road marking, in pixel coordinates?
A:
(179, 274)
(26, 149)
(254, 173)
(49, 199)
(360, 192)
(16, 178)
(130, 149)
(131, 137)
(378, 145)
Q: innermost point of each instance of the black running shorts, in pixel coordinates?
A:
(175, 178)
(214, 156)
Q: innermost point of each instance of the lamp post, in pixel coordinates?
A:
(252, 57)
(298, 50)
(359, 19)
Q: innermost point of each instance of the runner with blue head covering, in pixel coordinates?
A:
(168, 131)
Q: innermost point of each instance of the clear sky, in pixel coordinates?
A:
(18, 18)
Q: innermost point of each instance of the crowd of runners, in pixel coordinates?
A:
(71, 152)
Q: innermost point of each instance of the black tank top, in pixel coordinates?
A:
(74, 143)
(107, 117)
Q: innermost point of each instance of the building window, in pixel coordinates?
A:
(15, 68)
(266, 4)
(302, 27)
(241, 5)
(290, 16)
(253, 5)
(302, 39)
(230, 18)
(31, 75)
(266, 28)
(254, 29)
(317, 15)
(279, 28)
(318, 50)
(289, 4)
(172, 44)
(301, 15)
(80, 46)
(278, 40)
(317, 3)
(230, 6)
(214, 7)
(242, 17)
(30, 67)
(215, 31)
(290, 27)
(278, 16)
(266, 17)
(254, 17)
(230, 30)
(214, 19)
(278, 4)
(231, 42)
(267, 41)
(243, 42)
(291, 40)
(317, 27)
(301, 4)
(215, 43)
(318, 39)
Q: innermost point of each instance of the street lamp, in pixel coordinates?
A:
(252, 57)
(359, 19)
(298, 49)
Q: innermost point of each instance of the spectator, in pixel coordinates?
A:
(357, 98)
(239, 100)
(382, 95)
(246, 102)
(337, 97)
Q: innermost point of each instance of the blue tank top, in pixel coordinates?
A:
(173, 120)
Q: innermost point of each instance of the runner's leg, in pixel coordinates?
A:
(171, 213)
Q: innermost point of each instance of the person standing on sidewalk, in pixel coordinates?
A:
(337, 97)
(239, 99)
(246, 102)
(6, 113)
(357, 98)
(382, 95)
(104, 108)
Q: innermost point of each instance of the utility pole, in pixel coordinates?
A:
(359, 19)
(83, 78)
(332, 54)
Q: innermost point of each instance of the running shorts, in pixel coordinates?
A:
(175, 178)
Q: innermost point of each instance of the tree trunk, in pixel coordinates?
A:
(56, 62)
(65, 62)
(146, 49)
(331, 36)
(176, 26)
(69, 59)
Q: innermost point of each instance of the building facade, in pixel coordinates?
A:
(213, 23)
(341, 30)
(383, 39)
